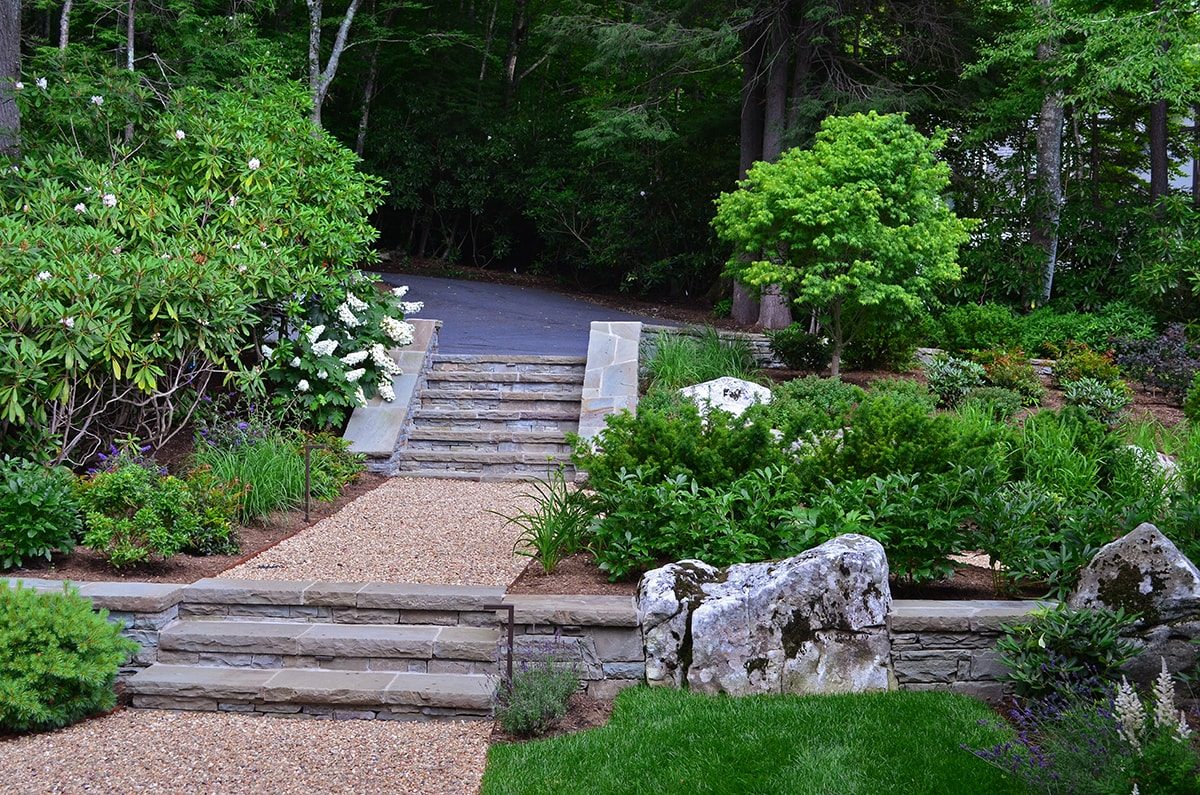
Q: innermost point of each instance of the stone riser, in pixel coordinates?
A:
(336, 615)
(547, 448)
(485, 425)
(574, 367)
(506, 387)
(386, 664)
(312, 711)
(512, 404)
(486, 470)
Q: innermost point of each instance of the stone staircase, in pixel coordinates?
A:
(398, 652)
(494, 417)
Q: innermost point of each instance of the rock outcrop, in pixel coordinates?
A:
(732, 395)
(814, 623)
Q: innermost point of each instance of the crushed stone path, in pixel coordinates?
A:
(168, 752)
(419, 530)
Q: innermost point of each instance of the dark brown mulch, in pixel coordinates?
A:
(85, 565)
(576, 574)
(968, 582)
(583, 713)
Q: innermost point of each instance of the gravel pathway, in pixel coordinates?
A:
(158, 751)
(408, 530)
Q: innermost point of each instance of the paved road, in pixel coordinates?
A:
(479, 317)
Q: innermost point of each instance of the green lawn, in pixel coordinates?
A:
(666, 741)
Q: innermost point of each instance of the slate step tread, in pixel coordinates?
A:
(547, 413)
(423, 641)
(487, 377)
(481, 477)
(493, 395)
(442, 434)
(501, 358)
(483, 457)
(313, 686)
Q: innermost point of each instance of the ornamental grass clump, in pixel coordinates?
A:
(270, 467)
(556, 525)
(681, 360)
(58, 659)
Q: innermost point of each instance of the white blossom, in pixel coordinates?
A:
(41, 83)
(109, 200)
(383, 361)
(385, 390)
(267, 351)
(253, 164)
(355, 303)
(324, 347)
(24, 208)
(44, 276)
(315, 333)
(397, 330)
(411, 307)
(322, 374)
(69, 322)
(351, 359)
(400, 292)
(347, 317)
(117, 250)
(81, 208)
(295, 361)
(1130, 714)
(18, 85)
(302, 386)
(241, 269)
(236, 246)
(359, 398)
(355, 374)
(233, 200)
(97, 99)
(180, 135)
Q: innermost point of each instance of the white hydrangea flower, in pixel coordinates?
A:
(397, 330)
(355, 303)
(351, 359)
(42, 83)
(97, 100)
(385, 390)
(295, 361)
(355, 374)
(109, 200)
(325, 347)
(383, 361)
(267, 351)
(315, 333)
(81, 208)
(44, 276)
(180, 135)
(322, 374)
(302, 386)
(400, 292)
(359, 398)
(253, 164)
(347, 317)
(411, 307)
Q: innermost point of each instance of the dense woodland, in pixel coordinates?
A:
(588, 140)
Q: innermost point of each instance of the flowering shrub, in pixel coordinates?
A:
(138, 270)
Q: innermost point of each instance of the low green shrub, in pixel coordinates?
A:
(270, 467)
(332, 466)
(58, 659)
(976, 327)
(556, 524)
(999, 403)
(536, 698)
(1047, 332)
(799, 349)
(907, 389)
(1191, 402)
(804, 406)
(951, 378)
(1079, 361)
(1106, 402)
(884, 344)
(39, 514)
(680, 360)
(1010, 369)
(1063, 649)
(134, 513)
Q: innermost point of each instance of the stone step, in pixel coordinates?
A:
(357, 647)
(497, 476)
(501, 363)
(551, 413)
(492, 397)
(314, 693)
(494, 380)
(494, 437)
(482, 457)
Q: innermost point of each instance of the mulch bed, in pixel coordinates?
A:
(576, 574)
(85, 565)
(968, 582)
(583, 713)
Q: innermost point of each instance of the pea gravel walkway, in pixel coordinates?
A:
(420, 530)
(159, 751)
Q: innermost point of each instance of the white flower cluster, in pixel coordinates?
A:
(110, 200)
(1130, 714)
(314, 334)
(1165, 716)
(383, 361)
(385, 390)
(397, 330)
(359, 398)
(324, 347)
(354, 375)
(355, 303)
(346, 315)
(303, 385)
(411, 307)
(400, 292)
(351, 359)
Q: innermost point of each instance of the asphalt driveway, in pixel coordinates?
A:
(479, 317)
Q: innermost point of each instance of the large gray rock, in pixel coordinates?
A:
(1144, 573)
(728, 394)
(814, 623)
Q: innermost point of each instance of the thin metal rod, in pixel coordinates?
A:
(307, 478)
(509, 651)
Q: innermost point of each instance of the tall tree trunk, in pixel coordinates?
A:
(516, 37)
(130, 10)
(1160, 165)
(10, 72)
(364, 117)
(487, 41)
(64, 25)
(1049, 171)
(1196, 156)
(774, 311)
(320, 78)
(745, 305)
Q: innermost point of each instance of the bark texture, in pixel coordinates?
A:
(10, 71)
(320, 78)
(1049, 171)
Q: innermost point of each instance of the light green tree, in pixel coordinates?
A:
(855, 226)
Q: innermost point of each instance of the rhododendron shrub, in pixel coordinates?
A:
(152, 242)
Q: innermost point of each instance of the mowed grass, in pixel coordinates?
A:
(666, 741)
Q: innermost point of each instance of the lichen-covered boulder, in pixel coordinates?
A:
(1143, 573)
(813, 623)
(732, 395)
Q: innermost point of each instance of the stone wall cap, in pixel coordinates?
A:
(118, 595)
(227, 591)
(574, 609)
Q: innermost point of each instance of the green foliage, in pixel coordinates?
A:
(536, 698)
(886, 343)
(39, 514)
(1047, 331)
(332, 466)
(977, 327)
(1060, 648)
(855, 226)
(270, 468)
(660, 735)
(556, 525)
(951, 379)
(1079, 361)
(804, 406)
(799, 349)
(905, 389)
(1000, 403)
(1191, 403)
(58, 659)
(1105, 401)
(134, 513)
(680, 360)
(1010, 369)
(714, 451)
